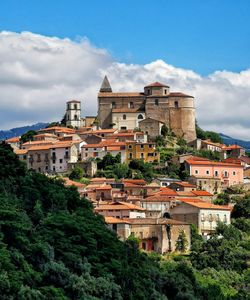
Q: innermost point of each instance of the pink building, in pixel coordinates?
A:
(228, 173)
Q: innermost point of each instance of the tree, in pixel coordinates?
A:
(77, 173)
(242, 208)
(181, 242)
(28, 136)
(121, 171)
(164, 130)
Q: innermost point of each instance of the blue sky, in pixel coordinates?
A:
(202, 35)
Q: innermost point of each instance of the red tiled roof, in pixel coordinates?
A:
(135, 181)
(108, 95)
(73, 101)
(156, 84)
(184, 184)
(177, 94)
(15, 139)
(231, 147)
(119, 206)
(211, 163)
(202, 193)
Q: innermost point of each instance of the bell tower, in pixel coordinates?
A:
(73, 114)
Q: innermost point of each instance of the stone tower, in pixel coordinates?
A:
(73, 114)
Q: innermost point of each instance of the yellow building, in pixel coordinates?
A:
(145, 151)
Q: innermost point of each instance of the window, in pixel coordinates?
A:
(148, 92)
(207, 172)
(60, 161)
(129, 146)
(130, 155)
(216, 173)
(68, 106)
(234, 173)
(210, 218)
(124, 117)
(226, 174)
(165, 91)
(75, 106)
(156, 101)
(140, 117)
(113, 105)
(225, 219)
(176, 104)
(54, 168)
(123, 127)
(196, 172)
(75, 117)
(142, 146)
(131, 105)
(142, 155)
(202, 218)
(217, 217)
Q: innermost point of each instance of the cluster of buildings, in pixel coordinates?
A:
(127, 124)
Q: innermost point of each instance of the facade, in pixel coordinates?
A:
(151, 127)
(204, 215)
(145, 151)
(159, 235)
(73, 114)
(49, 158)
(229, 174)
(126, 110)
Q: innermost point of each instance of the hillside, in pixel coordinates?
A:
(52, 246)
(18, 131)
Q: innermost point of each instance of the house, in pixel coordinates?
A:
(120, 210)
(144, 151)
(14, 142)
(129, 135)
(228, 173)
(211, 184)
(234, 151)
(103, 148)
(49, 157)
(200, 213)
(199, 144)
(165, 181)
(154, 234)
(151, 127)
(182, 186)
(158, 206)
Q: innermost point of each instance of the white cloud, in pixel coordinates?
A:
(38, 74)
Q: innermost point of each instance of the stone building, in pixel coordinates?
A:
(73, 114)
(124, 111)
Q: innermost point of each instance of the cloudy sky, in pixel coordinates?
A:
(40, 71)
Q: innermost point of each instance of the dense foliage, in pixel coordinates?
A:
(205, 135)
(52, 246)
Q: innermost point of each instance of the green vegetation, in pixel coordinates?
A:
(205, 135)
(52, 246)
(76, 174)
(28, 136)
(182, 242)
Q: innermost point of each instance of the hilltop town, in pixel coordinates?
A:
(144, 164)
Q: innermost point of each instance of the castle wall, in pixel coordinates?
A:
(107, 101)
(158, 112)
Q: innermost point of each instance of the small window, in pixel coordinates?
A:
(54, 168)
(196, 172)
(165, 91)
(142, 146)
(210, 218)
(226, 174)
(113, 105)
(216, 173)
(217, 217)
(129, 146)
(202, 217)
(225, 219)
(140, 117)
(123, 128)
(54, 161)
(75, 106)
(75, 117)
(148, 91)
(61, 161)
(156, 101)
(124, 117)
(207, 172)
(234, 173)
(142, 155)
(176, 104)
(130, 155)
(131, 105)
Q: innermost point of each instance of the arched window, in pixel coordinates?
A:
(124, 117)
(140, 117)
(75, 117)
